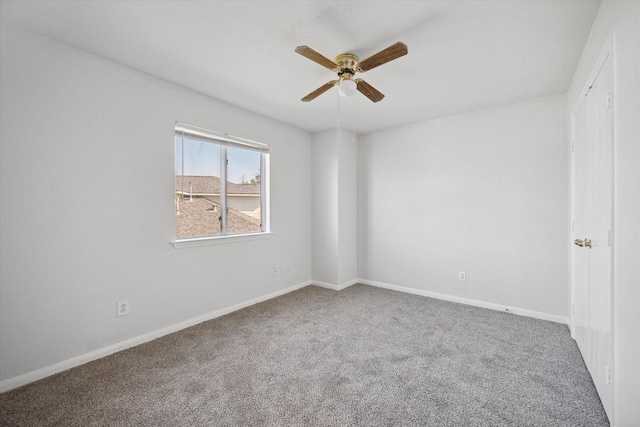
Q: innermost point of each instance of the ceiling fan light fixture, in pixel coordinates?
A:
(347, 87)
(346, 65)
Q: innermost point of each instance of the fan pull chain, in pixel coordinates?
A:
(353, 117)
(338, 114)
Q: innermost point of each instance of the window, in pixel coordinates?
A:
(221, 185)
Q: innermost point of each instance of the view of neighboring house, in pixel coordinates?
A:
(198, 207)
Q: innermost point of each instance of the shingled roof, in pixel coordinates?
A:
(209, 185)
(201, 217)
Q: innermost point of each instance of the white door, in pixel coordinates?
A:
(591, 230)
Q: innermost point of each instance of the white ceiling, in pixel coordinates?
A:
(463, 55)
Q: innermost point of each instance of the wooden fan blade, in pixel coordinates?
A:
(369, 91)
(389, 54)
(322, 89)
(311, 54)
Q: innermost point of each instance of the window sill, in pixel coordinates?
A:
(215, 240)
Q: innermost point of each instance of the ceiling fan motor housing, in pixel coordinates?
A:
(347, 65)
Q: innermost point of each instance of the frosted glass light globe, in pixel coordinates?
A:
(347, 88)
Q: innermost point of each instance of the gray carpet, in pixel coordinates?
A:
(363, 356)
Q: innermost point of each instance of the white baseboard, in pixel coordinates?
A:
(39, 374)
(335, 287)
(475, 303)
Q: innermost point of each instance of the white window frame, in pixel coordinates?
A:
(225, 140)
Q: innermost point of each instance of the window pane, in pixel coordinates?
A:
(243, 191)
(197, 188)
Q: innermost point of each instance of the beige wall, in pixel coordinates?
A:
(248, 205)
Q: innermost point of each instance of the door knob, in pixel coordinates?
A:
(586, 243)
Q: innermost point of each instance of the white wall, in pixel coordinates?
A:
(485, 193)
(348, 208)
(622, 20)
(74, 126)
(334, 208)
(325, 207)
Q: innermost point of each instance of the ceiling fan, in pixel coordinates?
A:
(347, 65)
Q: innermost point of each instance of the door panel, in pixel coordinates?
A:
(592, 220)
(600, 220)
(580, 257)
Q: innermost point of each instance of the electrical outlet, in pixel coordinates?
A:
(275, 270)
(288, 268)
(282, 269)
(123, 308)
(462, 276)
